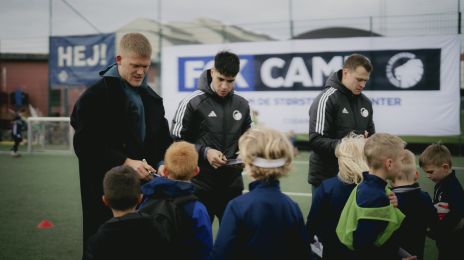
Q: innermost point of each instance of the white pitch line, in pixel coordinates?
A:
(459, 168)
(298, 194)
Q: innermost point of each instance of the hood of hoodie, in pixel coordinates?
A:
(334, 81)
(204, 84)
(171, 188)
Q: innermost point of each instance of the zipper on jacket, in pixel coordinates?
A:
(354, 105)
(224, 126)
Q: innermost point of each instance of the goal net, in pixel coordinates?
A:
(49, 134)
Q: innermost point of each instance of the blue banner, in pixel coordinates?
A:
(394, 70)
(76, 60)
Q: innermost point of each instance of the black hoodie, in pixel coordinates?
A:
(335, 113)
(208, 120)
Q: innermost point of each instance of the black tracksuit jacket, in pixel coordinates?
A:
(335, 113)
(208, 120)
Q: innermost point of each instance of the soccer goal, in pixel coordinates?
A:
(49, 134)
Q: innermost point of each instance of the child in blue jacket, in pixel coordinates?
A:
(416, 205)
(180, 166)
(330, 198)
(368, 222)
(264, 223)
(448, 200)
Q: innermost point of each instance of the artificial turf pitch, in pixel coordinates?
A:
(41, 187)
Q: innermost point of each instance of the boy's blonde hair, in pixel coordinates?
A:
(181, 160)
(351, 163)
(436, 155)
(408, 167)
(269, 144)
(136, 43)
(382, 146)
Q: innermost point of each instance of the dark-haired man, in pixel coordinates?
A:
(339, 109)
(214, 118)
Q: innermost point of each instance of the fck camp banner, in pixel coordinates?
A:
(76, 60)
(414, 87)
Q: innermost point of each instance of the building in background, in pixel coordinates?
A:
(29, 72)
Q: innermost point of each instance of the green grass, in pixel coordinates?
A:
(34, 188)
(38, 187)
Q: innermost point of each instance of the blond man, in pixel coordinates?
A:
(180, 166)
(118, 121)
(264, 223)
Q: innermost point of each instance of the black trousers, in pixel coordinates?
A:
(17, 141)
(216, 201)
(94, 212)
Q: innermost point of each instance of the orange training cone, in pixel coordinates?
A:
(45, 224)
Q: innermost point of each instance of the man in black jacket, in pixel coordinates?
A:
(118, 121)
(339, 109)
(214, 118)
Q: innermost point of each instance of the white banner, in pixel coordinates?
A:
(414, 87)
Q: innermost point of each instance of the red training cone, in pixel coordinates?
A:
(45, 224)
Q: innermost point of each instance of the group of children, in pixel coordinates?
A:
(355, 215)
(359, 215)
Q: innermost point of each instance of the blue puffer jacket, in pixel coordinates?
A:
(262, 224)
(327, 206)
(371, 194)
(195, 209)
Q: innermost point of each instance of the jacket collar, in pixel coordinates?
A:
(111, 74)
(114, 82)
(128, 216)
(165, 186)
(335, 81)
(448, 178)
(262, 184)
(112, 71)
(377, 181)
(406, 188)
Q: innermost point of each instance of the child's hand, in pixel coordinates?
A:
(393, 199)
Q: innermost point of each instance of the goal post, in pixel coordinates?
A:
(49, 134)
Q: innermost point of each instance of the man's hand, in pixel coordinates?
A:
(393, 199)
(215, 158)
(142, 168)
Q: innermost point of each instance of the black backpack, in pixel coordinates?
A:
(170, 216)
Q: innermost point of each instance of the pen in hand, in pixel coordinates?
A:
(151, 173)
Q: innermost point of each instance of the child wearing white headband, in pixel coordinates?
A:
(263, 223)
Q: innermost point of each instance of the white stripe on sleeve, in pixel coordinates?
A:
(180, 113)
(320, 119)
